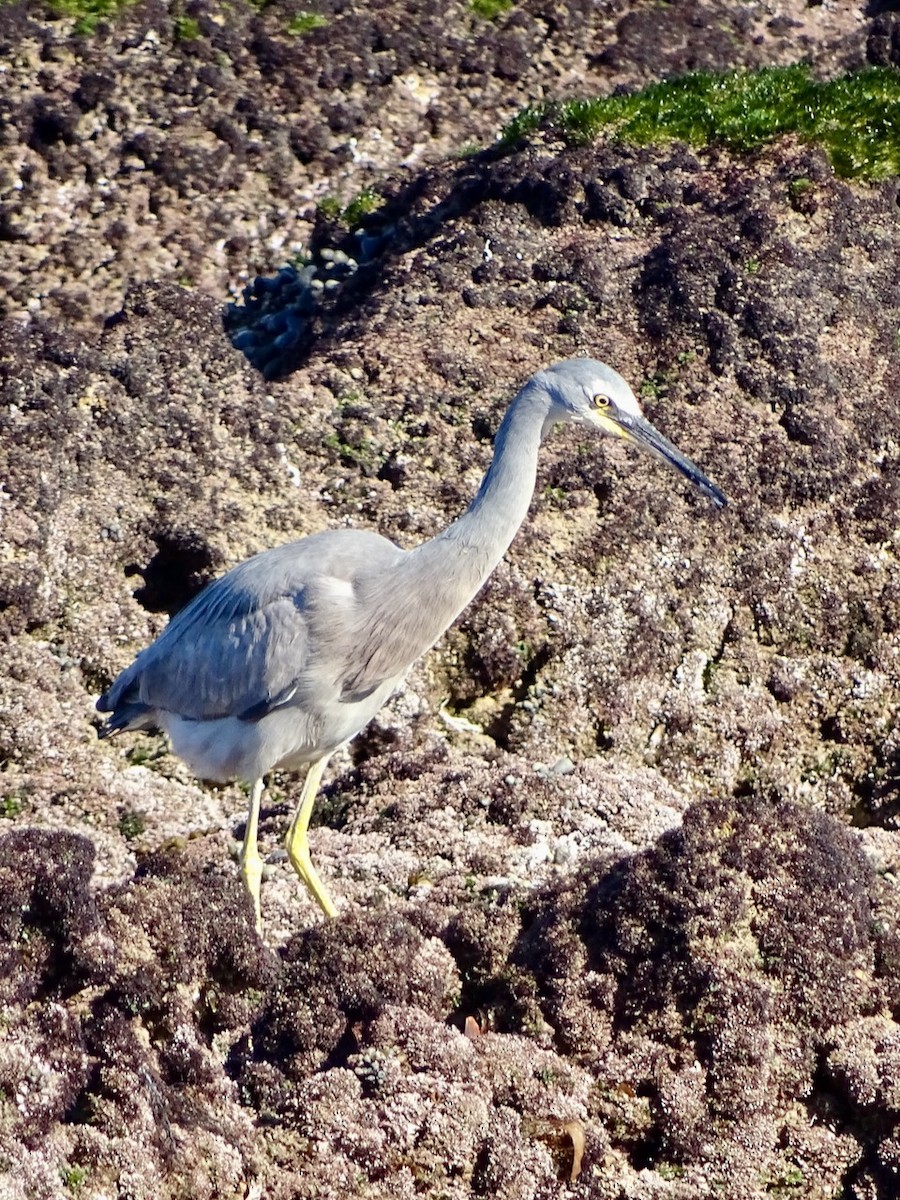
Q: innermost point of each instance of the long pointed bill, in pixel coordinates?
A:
(641, 433)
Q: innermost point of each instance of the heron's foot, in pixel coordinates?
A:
(297, 846)
(251, 874)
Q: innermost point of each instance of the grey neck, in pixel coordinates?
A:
(433, 583)
(463, 556)
(492, 519)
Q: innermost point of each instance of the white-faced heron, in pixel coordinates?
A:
(291, 653)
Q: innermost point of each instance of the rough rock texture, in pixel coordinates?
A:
(198, 153)
(617, 868)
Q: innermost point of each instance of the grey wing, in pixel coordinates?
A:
(256, 637)
(229, 653)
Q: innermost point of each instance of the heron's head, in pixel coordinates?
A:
(591, 393)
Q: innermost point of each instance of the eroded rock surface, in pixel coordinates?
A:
(617, 869)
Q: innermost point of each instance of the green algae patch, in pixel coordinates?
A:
(490, 10)
(88, 14)
(305, 22)
(855, 118)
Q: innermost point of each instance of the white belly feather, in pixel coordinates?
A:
(225, 748)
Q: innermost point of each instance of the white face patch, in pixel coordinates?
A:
(625, 400)
(576, 384)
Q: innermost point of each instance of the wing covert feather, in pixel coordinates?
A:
(224, 662)
(253, 637)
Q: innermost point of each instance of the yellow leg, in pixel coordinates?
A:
(251, 863)
(297, 842)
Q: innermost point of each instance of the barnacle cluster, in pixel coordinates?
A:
(274, 325)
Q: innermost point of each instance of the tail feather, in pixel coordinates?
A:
(126, 715)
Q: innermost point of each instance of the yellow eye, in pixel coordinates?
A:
(601, 401)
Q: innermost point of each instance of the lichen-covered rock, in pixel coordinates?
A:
(711, 975)
(195, 145)
(119, 1009)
